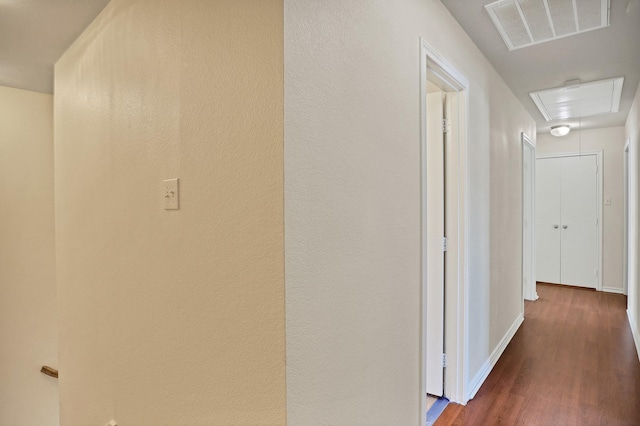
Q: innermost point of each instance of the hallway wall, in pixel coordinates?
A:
(632, 132)
(352, 206)
(172, 317)
(28, 322)
(611, 142)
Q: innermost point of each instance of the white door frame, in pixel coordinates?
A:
(625, 197)
(529, 253)
(456, 301)
(599, 190)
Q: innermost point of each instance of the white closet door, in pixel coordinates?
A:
(435, 233)
(579, 227)
(548, 202)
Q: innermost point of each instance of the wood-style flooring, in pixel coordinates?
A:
(572, 362)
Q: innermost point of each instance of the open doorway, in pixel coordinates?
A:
(444, 224)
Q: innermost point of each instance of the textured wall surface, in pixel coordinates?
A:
(172, 317)
(352, 197)
(611, 142)
(28, 324)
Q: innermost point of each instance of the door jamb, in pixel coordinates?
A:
(626, 188)
(455, 373)
(529, 293)
(599, 190)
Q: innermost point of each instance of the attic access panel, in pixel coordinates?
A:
(523, 23)
(579, 100)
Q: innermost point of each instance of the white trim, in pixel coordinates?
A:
(529, 293)
(455, 373)
(617, 94)
(478, 380)
(442, 67)
(605, 13)
(600, 187)
(423, 236)
(524, 20)
(541, 106)
(498, 25)
(568, 154)
(576, 20)
(548, 10)
(626, 185)
(482, 375)
(634, 332)
(613, 290)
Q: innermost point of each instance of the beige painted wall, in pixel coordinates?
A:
(611, 142)
(632, 133)
(172, 317)
(352, 206)
(28, 324)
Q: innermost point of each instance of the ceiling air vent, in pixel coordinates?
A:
(576, 100)
(523, 23)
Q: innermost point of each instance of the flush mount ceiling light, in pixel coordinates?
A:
(560, 130)
(578, 100)
(523, 23)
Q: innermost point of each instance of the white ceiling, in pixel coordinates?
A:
(610, 52)
(35, 33)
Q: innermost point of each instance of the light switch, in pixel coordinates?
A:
(171, 194)
(607, 200)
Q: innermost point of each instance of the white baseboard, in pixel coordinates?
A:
(613, 290)
(634, 331)
(479, 379)
(481, 376)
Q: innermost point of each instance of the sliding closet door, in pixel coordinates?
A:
(579, 258)
(548, 203)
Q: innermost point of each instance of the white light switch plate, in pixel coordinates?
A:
(171, 194)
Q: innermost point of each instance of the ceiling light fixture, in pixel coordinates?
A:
(560, 130)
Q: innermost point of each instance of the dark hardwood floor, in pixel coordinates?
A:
(572, 362)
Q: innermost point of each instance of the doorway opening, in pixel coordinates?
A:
(443, 94)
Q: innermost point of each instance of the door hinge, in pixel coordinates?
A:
(444, 360)
(446, 125)
(444, 244)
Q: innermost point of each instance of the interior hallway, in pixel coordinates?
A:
(573, 362)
